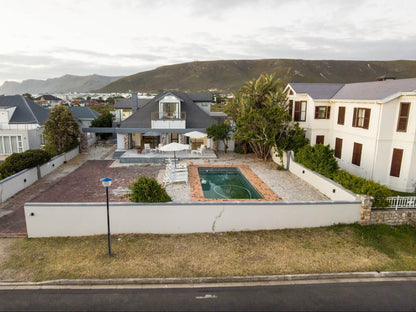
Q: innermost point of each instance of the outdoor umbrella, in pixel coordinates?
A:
(174, 147)
(195, 135)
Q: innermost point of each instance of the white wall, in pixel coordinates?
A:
(326, 186)
(79, 219)
(19, 181)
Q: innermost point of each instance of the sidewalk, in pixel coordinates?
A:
(12, 219)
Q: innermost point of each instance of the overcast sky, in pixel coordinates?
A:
(50, 38)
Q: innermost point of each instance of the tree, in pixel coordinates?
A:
(319, 158)
(261, 116)
(29, 96)
(220, 132)
(61, 131)
(103, 121)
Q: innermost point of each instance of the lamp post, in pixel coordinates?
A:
(106, 183)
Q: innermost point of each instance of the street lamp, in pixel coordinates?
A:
(106, 183)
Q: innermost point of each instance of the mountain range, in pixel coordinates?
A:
(222, 76)
(64, 84)
(229, 76)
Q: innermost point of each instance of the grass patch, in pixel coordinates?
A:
(340, 248)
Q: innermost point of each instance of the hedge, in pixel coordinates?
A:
(147, 190)
(19, 161)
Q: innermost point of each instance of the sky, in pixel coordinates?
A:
(50, 38)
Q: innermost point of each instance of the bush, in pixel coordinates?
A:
(147, 190)
(360, 185)
(19, 161)
(319, 158)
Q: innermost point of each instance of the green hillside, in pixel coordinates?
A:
(231, 75)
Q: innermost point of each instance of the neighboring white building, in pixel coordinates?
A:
(21, 124)
(370, 125)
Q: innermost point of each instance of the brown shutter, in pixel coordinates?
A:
(297, 111)
(290, 107)
(338, 147)
(316, 112)
(367, 118)
(403, 117)
(396, 162)
(341, 115)
(354, 117)
(356, 154)
(320, 139)
(328, 112)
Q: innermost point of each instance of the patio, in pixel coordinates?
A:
(132, 156)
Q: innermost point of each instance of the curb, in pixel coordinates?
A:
(216, 280)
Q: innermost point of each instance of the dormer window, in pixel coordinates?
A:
(170, 111)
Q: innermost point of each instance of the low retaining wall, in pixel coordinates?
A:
(392, 216)
(19, 181)
(79, 219)
(326, 186)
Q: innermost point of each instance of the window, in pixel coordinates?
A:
(338, 148)
(169, 111)
(396, 162)
(361, 118)
(11, 144)
(356, 154)
(174, 137)
(341, 115)
(320, 139)
(322, 112)
(403, 117)
(300, 111)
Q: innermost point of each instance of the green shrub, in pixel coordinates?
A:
(319, 158)
(360, 185)
(19, 161)
(147, 190)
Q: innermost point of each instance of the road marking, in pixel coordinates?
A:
(207, 296)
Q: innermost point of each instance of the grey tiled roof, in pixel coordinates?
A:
(317, 90)
(122, 103)
(26, 110)
(200, 97)
(83, 112)
(47, 97)
(375, 90)
(195, 116)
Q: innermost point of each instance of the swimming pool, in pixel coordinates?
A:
(226, 183)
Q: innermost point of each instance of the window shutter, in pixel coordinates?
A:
(316, 112)
(396, 162)
(320, 139)
(403, 117)
(328, 112)
(354, 117)
(290, 107)
(367, 118)
(338, 147)
(356, 154)
(341, 115)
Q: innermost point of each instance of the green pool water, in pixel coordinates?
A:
(226, 183)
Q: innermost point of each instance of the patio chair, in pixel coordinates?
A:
(200, 150)
(146, 147)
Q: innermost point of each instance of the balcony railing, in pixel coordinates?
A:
(401, 202)
(161, 116)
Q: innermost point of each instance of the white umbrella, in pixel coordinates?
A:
(174, 147)
(195, 135)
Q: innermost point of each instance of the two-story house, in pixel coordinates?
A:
(370, 125)
(21, 124)
(165, 119)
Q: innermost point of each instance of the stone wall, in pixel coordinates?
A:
(392, 216)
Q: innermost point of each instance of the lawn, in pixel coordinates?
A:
(340, 248)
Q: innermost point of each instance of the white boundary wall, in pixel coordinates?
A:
(19, 181)
(326, 186)
(79, 219)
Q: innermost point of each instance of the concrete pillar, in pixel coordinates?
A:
(84, 142)
(366, 204)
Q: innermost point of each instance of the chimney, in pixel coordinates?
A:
(134, 102)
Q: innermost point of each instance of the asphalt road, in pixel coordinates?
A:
(355, 296)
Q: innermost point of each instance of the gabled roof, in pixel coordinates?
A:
(48, 97)
(83, 112)
(317, 90)
(26, 110)
(375, 90)
(195, 116)
(122, 103)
